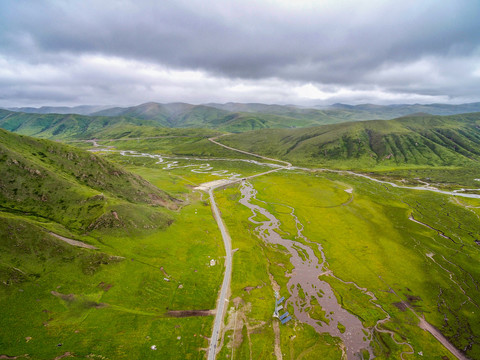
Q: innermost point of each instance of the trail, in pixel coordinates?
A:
(213, 140)
(73, 242)
(421, 188)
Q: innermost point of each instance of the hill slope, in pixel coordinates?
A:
(60, 122)
(394, 111)
(64, 126)
(74, 188)
(423, 140)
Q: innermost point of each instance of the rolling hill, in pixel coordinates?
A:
(182, 115)
(64, 126)
(74, 188)
(337, 112)
(229, 117)
(154, 116)
(422, 140)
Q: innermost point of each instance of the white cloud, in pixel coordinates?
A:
(302, 51)
(98, 79)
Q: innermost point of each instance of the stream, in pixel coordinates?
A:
(203, 167)
(307, 269)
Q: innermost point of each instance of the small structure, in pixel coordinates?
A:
(285, 317)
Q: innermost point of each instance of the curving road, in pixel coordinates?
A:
(213, 140)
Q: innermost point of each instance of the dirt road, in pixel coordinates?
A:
(227, 241)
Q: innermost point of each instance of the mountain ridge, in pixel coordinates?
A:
(240, 117)
(421, 140)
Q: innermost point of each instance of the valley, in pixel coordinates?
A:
(360, 278)
(239, 180)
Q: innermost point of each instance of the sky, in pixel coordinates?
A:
(299, 52)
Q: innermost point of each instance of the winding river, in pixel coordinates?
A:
(305, 275)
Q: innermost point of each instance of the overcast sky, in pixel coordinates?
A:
(272, 51)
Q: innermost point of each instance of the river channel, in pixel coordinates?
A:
(305, 274)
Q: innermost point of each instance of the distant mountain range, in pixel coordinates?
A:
(378, 112)
(153, 109)
(80, 110)
(94, 121)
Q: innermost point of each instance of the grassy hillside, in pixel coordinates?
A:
(404, 142)
(393, 111)
(61, 123)
(63, 126)
(61, 300)
(72, 187)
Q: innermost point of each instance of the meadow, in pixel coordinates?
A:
(369, 241)
(114, 302)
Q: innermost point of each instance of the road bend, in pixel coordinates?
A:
(213, 140)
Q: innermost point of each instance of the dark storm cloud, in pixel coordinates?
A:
(355, 44)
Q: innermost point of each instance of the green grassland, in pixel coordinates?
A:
(154, 246)
(369, 241)
(111, 302)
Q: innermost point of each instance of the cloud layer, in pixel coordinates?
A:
(305, 52)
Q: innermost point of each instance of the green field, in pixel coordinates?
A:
(155, 238)
(369, 241)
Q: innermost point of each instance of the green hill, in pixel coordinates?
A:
(182, 115)
(422, 140)
(230, 117)
(64, 126)
(85, 248)
(74, 188)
